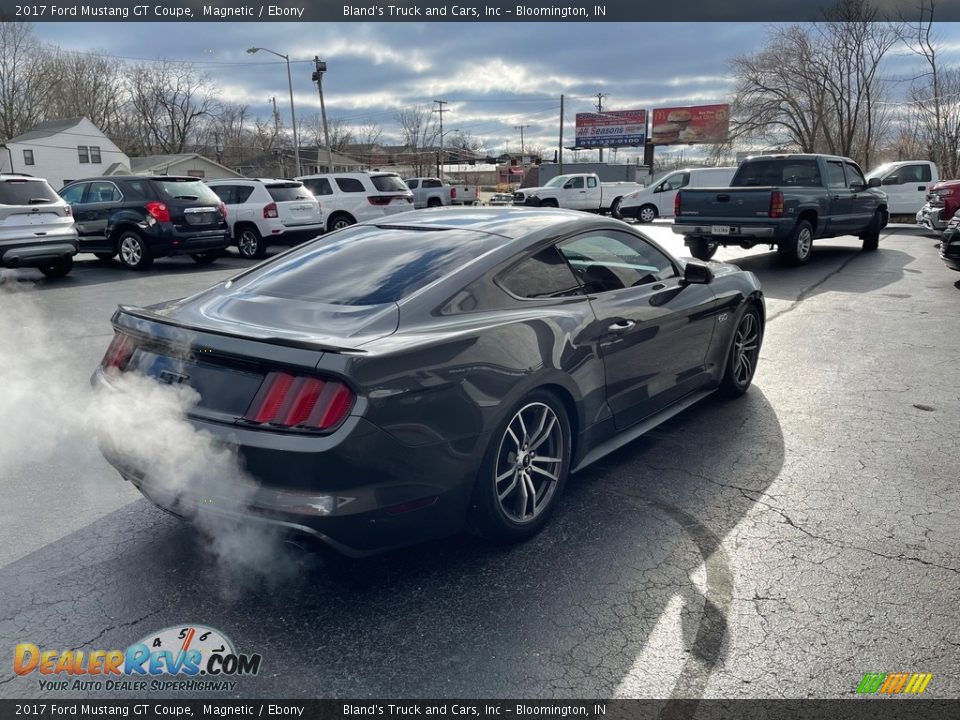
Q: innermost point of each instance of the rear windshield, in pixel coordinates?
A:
(187, 190)
(367, 265)
(786, 171)
(26, 192)
(281, 192)
(388, 183)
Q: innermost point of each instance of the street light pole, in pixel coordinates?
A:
(293, 115)
(321, 67)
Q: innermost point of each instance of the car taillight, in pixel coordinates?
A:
(453, 193)
(158, 211)
(379, 199)
(68, 211)
(676, 204)
(299, 402)
(270, 211)
(119, 353)
(223, 211)
(776, 204)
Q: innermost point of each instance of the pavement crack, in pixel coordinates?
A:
(114, 627)
(810, 288)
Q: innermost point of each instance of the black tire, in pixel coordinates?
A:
(871, 238)
(798, 249)
(434, 203)
(496, 507)
(703, 248)
(338, 221)
(615, 209)
(250, 244)
(105, 257)
(549, 203)
(743, 355)
(57, 269)
(205, 258)
(133, 250)
(647, 213)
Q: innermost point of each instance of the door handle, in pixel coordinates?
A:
(921, 188)
(622, 326)
(836, 197)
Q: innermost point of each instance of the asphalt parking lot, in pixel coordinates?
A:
(780, 545)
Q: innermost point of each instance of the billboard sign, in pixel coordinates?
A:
(687, 125)
(612, 128)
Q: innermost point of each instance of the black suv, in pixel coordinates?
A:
(143, 217)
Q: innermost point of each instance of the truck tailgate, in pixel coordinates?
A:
(744, 203)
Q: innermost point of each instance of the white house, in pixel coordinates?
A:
(62, 151)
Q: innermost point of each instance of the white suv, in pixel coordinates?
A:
(348, 198)
(36, 226)
(263, 212)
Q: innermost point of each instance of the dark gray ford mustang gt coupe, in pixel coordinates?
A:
(405, 378)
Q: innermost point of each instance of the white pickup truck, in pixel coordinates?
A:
(580, 191)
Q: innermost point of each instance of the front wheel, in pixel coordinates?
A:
(703, 248)
(647, 214)
(58, 268)
(524, 470)
(871, 238)
(615, 209)
(797, 250)
(744, 353)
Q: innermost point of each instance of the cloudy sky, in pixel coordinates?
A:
(494, 76)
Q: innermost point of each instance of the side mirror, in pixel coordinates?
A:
(696, 273)
(875, 182)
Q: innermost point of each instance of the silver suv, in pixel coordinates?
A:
(265, 211)
(36, 226)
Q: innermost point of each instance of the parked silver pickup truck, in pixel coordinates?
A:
(430, 192)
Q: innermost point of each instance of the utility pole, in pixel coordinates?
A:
(560, 156)
(600, 97)
(321, 67)
(440, 109)
(521, 129)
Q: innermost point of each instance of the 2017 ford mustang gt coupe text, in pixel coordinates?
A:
(405, 378)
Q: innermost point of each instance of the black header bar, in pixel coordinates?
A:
(469, 11)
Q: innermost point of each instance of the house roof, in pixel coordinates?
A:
(310, 155)
(46, 129)
(157, 163)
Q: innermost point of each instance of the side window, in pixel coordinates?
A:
(432, 183)
(575, 183)
(544, 275)
(28, 157)
(855, 177)
(350, 185)
(915, 174)
(83, 153)
(611, 260)
(591, 182)
(137, 188)
(319, 186)
(227, 193)
(102, 192)
(242, 193)
(413, 184)
(835, 177)
(95, 155)
(74, 194)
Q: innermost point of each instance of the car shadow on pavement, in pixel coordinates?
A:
(830, 268)
(627, 591)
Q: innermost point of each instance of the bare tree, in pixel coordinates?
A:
(26, 80)
(419, 134)
(167, 102)
(91, 86)
(368, 136)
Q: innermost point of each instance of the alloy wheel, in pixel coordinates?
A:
(248, 243)
(647, 214)
(746, 349)
(130, 250)
(804, 243)
(529, 462)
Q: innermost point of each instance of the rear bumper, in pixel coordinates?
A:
(359, 490)
(36, 253)
(736, 231)
(167, 240)
(297, 234)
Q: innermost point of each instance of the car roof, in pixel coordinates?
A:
(124, 178)
(799, 156)
(508, 222)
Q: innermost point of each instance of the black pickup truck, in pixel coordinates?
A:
(784, 201)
